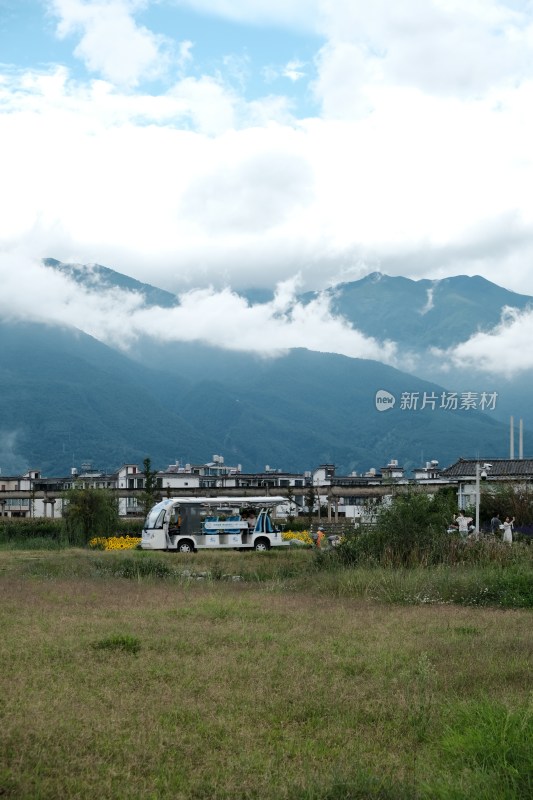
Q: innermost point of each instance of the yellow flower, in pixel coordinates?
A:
(115, 542)
(302, 536)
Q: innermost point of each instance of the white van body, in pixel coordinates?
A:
(187, 524)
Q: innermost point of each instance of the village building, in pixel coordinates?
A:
(354, 496)
(468, 473)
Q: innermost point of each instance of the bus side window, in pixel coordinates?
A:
(175, 524)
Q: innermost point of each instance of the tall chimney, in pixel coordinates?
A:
(521, 439)
(511, 440)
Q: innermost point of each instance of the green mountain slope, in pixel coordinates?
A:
(95, 276)
(309, 408)
(424, 313)
(67, 398)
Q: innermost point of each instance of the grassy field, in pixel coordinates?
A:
(250, 675)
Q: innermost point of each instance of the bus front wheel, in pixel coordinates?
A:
(262, 545)
(185, 547)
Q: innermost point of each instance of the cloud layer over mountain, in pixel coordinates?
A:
(315, 142)
(223, 318)
(414, 156)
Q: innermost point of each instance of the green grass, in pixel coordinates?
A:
(290, 684)
(489, 746)
(32, 543)
(124, 643)
(489, 585)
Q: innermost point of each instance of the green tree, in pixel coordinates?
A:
(89, 512)
(410, 530)
(506, 499)
(413, 515)
(151, 487)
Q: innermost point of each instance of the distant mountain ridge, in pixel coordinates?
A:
(67, 398)
(95, 276)
(415, 313)
(423, 313)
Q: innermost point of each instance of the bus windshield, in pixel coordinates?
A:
(156, 517)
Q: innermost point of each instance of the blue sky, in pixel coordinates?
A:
(256, 57)
(207, 146)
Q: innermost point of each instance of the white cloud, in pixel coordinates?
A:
(438, 46)
(185, 52)
(429, 302)
(423, 187)
(505, 350)
(344, 71)
(219, 318)
(12, 463)
(222, 318)
(299, 14)
(111, 44)
(294, 70)
(442, 48)
(211, 107)
(420, 165)
(251, 194)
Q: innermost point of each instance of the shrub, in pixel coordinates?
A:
(131, 526)
(13, 529)
(412, 531)
(122, 642)
(23, 530)
(88, 511)
(33, 543)
(507, 499)
(136, 568)
(379, 548)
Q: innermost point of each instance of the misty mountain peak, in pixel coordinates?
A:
(96, 276)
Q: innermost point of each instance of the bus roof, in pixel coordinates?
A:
(260, 500)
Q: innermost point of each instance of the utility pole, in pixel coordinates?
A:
(481, 473)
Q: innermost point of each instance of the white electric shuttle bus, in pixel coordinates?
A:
(187, 524)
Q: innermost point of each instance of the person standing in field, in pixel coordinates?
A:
(508, 530)
(462, 524)
(320, 536)
(495, 524)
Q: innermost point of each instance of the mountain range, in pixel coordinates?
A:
(68, 398)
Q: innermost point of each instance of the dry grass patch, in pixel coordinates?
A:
(235, 691)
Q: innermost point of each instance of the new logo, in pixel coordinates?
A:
(384, 400)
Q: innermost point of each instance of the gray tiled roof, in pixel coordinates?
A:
(501, 468)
